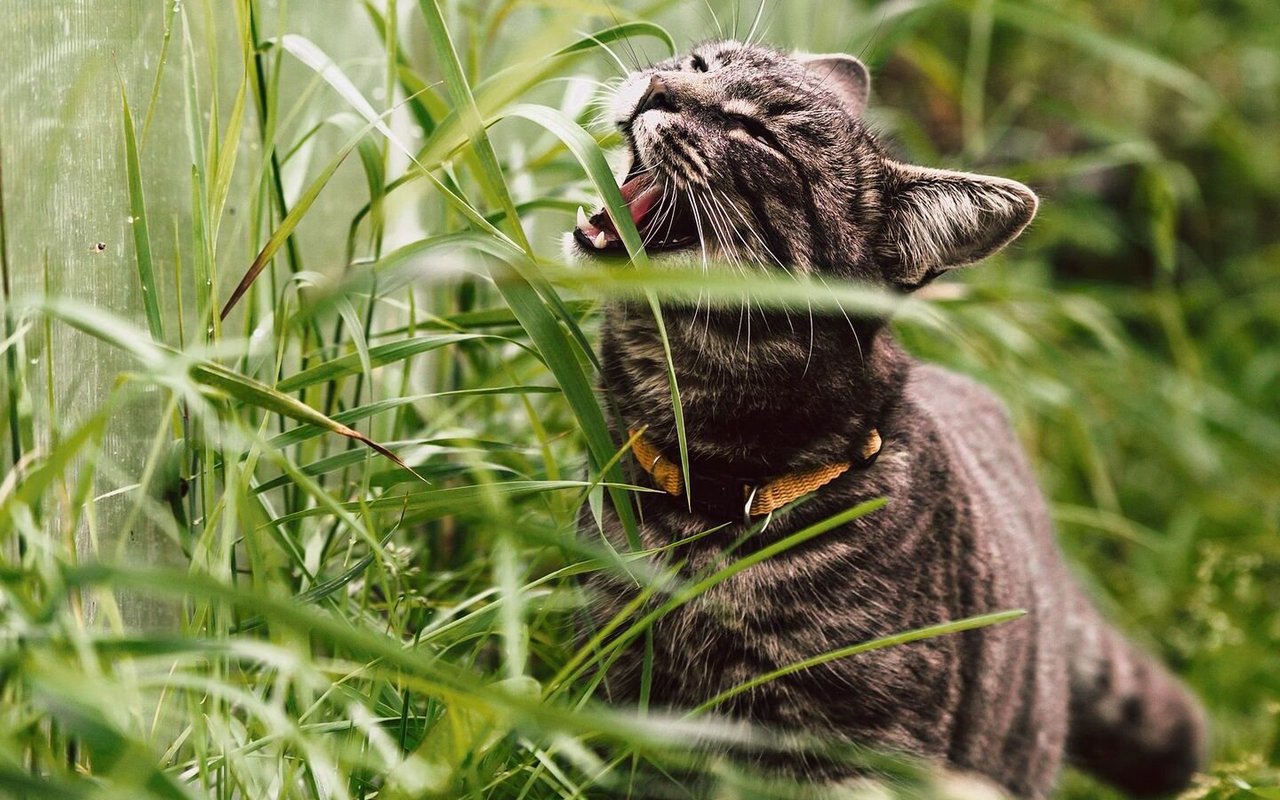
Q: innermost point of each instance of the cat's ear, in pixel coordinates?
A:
(845, 75)
(937, 219)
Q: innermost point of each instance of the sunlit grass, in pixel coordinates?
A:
(368, 462)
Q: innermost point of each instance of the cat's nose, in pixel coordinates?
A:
(656, 97)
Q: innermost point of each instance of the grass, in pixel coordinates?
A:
(315, 535)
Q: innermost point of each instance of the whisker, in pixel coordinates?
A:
(630, 46)
(607, 83)
(756, 234)
(702, 244)
(714, 18)
(852, 329)
(731, 250)
(756, 22)
(722, 236)
(665, 212)
(769, 251)
(622, 67)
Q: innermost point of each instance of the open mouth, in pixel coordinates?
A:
(663, 218)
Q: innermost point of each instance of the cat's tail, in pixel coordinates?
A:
(1132, 723)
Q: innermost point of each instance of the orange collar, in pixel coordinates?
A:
(757, 499)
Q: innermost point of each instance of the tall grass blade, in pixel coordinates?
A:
(138, 223)
(473, 125)
(251, 392)
(378, 355)
(13, 378)
(284, 232)
(497, 91)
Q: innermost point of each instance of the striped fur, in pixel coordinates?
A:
(771, 154)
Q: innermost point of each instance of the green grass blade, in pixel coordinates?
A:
(113, 751)
(13, 377)
(383, 479)
(314, 58)
(226, 155)
(619, 33)
(169, 13)
(247, 390)
(517, 287)
(358, 413)
(456, 501)
(414, 87)
(558, 353)
(285, 231)
(138, 223)
(499, 90)
(379, 355)
(766, 290)
(464, 101)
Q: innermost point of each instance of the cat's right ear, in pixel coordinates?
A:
(937, 219)
(842, 74)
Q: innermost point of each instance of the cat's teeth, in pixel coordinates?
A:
(599, 241)
(583, 223)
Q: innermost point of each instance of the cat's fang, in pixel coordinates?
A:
(600, 241)
(583, 223)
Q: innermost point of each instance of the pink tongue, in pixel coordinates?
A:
(641, 195)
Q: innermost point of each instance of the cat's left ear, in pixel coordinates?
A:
(844, 75)
(936, 219)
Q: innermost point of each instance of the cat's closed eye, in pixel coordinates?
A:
(755, 129)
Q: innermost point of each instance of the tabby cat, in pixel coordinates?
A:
(743, 155)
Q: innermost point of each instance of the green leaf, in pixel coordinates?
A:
(458, 501)
(113, 752)
(358, 413)
(463, 735)
(138, 224)
(500, 89)
(464, 102)
(378, 355)
(251, 392)
(288, 225)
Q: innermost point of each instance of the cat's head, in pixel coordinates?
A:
(745, 154)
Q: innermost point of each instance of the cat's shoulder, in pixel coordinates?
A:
(955, 401)
(969, 428)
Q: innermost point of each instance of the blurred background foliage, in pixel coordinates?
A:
(330, 625)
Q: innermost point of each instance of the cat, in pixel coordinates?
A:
(744, 155)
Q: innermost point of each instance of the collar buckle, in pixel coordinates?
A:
(746, 507)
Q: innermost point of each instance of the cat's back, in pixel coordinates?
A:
(1013, 559)
(986, 472)
(987, 460)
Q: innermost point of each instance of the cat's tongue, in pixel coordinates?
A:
(641, 195)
